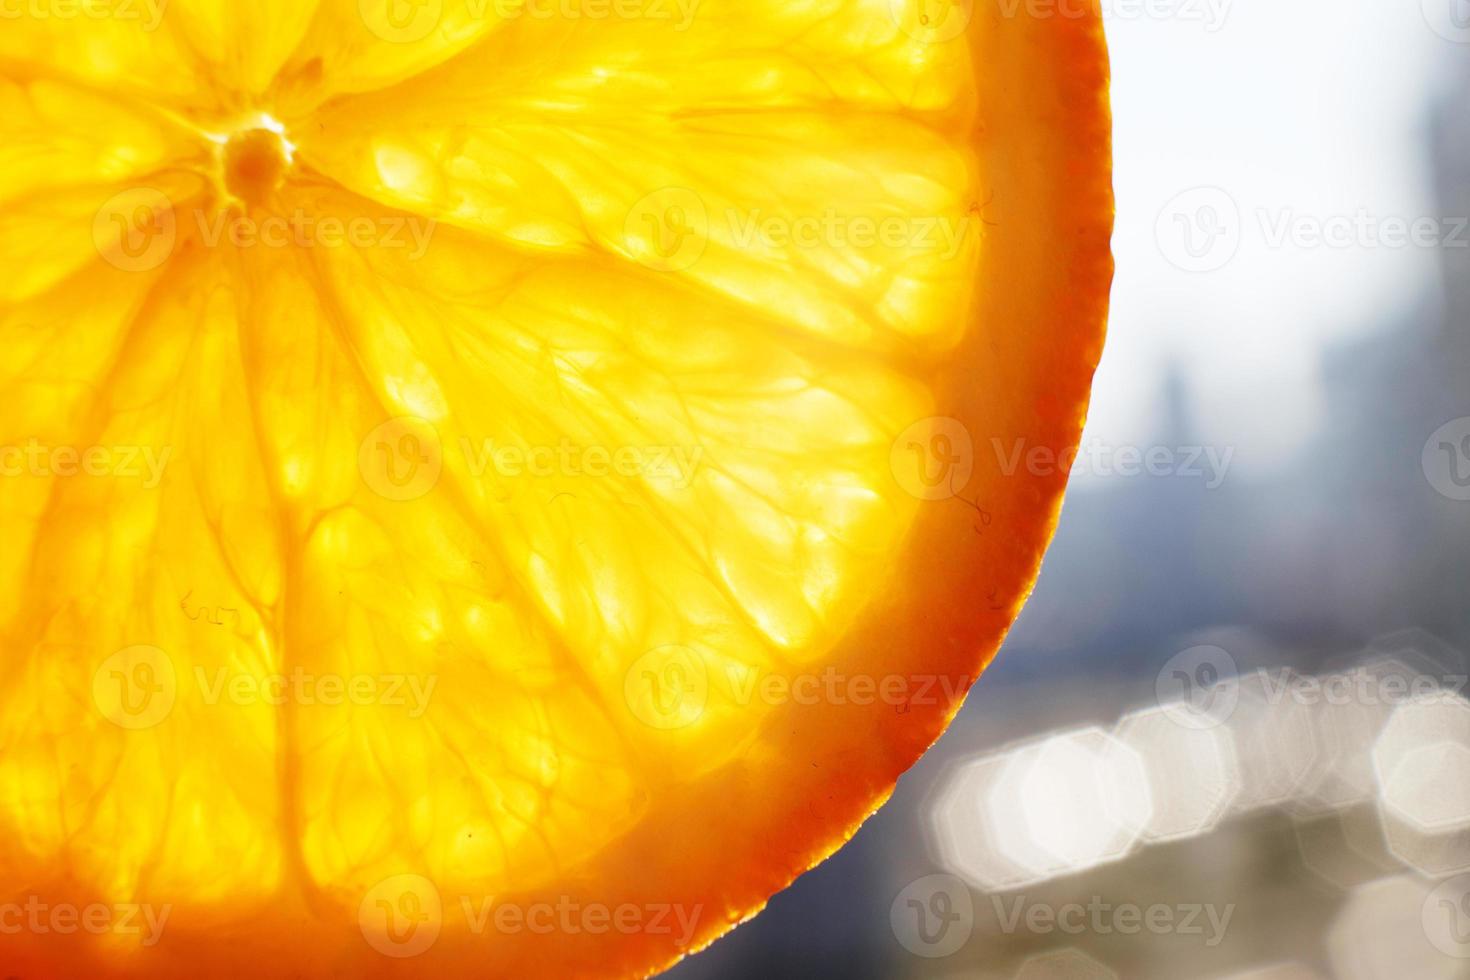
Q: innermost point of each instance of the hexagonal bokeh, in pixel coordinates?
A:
(1070, 802)
(1192, 772)
(1041, 809)
(1379, 935)
(1065, 964)
(959, 836)
(1425, 652)
(1350, 710)
(1429, 787)
(1275, 742)
(1434, 855)
(1421, 760)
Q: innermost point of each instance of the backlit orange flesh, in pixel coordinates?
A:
(498, 491)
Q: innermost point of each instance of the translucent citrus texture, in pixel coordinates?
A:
(499, 488)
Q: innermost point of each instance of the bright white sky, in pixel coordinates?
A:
(1308, 108)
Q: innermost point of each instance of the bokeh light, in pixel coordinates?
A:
(1379, 935)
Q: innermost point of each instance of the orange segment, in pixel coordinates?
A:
(574, 492)
(811, 171)
(119, 610)
(73, 162)
(123, 47)
(244, 44)
(362, 45)
(478, 745)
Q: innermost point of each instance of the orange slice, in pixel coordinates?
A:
(500, 488)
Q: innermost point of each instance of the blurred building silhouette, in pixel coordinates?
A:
(1349, 541)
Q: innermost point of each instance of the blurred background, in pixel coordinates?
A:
(1229, 737)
